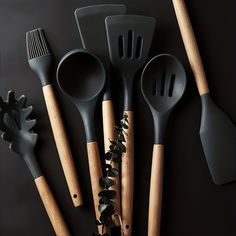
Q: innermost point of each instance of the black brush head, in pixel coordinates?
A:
(36, 44)
(38, 53)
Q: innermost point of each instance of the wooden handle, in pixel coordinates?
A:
(108, 133)
(51, 207)
(191, 47)
(95, 169)
(62, 144)
(155, 194)
(127, 178)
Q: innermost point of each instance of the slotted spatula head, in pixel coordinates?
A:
(129, 40)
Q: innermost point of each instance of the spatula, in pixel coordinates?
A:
(92, 30)
(40, 61)
(129, 40)
(217, 132)
(17, 129)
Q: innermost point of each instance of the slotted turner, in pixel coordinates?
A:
(129, 40)
(17, 129)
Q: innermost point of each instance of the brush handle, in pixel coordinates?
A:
(51, 207)
(191, 47)
(108, 133)
(62, 145)
(155, 194)
(95, 169)
(127, 178)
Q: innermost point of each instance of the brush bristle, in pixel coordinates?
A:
(36, 44)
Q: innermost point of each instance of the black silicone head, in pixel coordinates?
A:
(129, 40)
(218, 137)
(17, 129)
(81, 76)
(163, 83)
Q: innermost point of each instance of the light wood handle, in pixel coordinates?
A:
(62, 145)
(155, 194)
(108, 133)
(191, 47)
(127, 178)
(95, 169)
(51, 207)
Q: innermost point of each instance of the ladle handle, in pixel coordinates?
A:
(51, 207)
(190, 44)
(155, 194)
(62, 145)
(108, 133)
(95, 169)
(127, 178)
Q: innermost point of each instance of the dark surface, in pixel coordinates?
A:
(193, 205)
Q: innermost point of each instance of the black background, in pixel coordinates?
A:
(193, 205)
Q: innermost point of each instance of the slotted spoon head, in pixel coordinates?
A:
(163, 84)
(15, 125)
(129, 40)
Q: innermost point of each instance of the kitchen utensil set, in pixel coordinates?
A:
(111, 38)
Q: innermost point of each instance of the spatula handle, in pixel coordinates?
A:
(127, 178)
(95, 169)
(51, 207)
(155, 194)
(108, 133)
(190, 44)
(62, 144)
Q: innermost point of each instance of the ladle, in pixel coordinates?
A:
(81, 76)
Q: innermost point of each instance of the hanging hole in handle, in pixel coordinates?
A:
(75, 196)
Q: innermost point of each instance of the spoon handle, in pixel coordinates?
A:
(191, 46)
(127, 178)
(62, 144)
(155, 194)
(95, 169)
(51, 207)
(108, 133)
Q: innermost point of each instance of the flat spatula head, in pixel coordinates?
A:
(91, 24)
(218, 137)
(129, 40)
